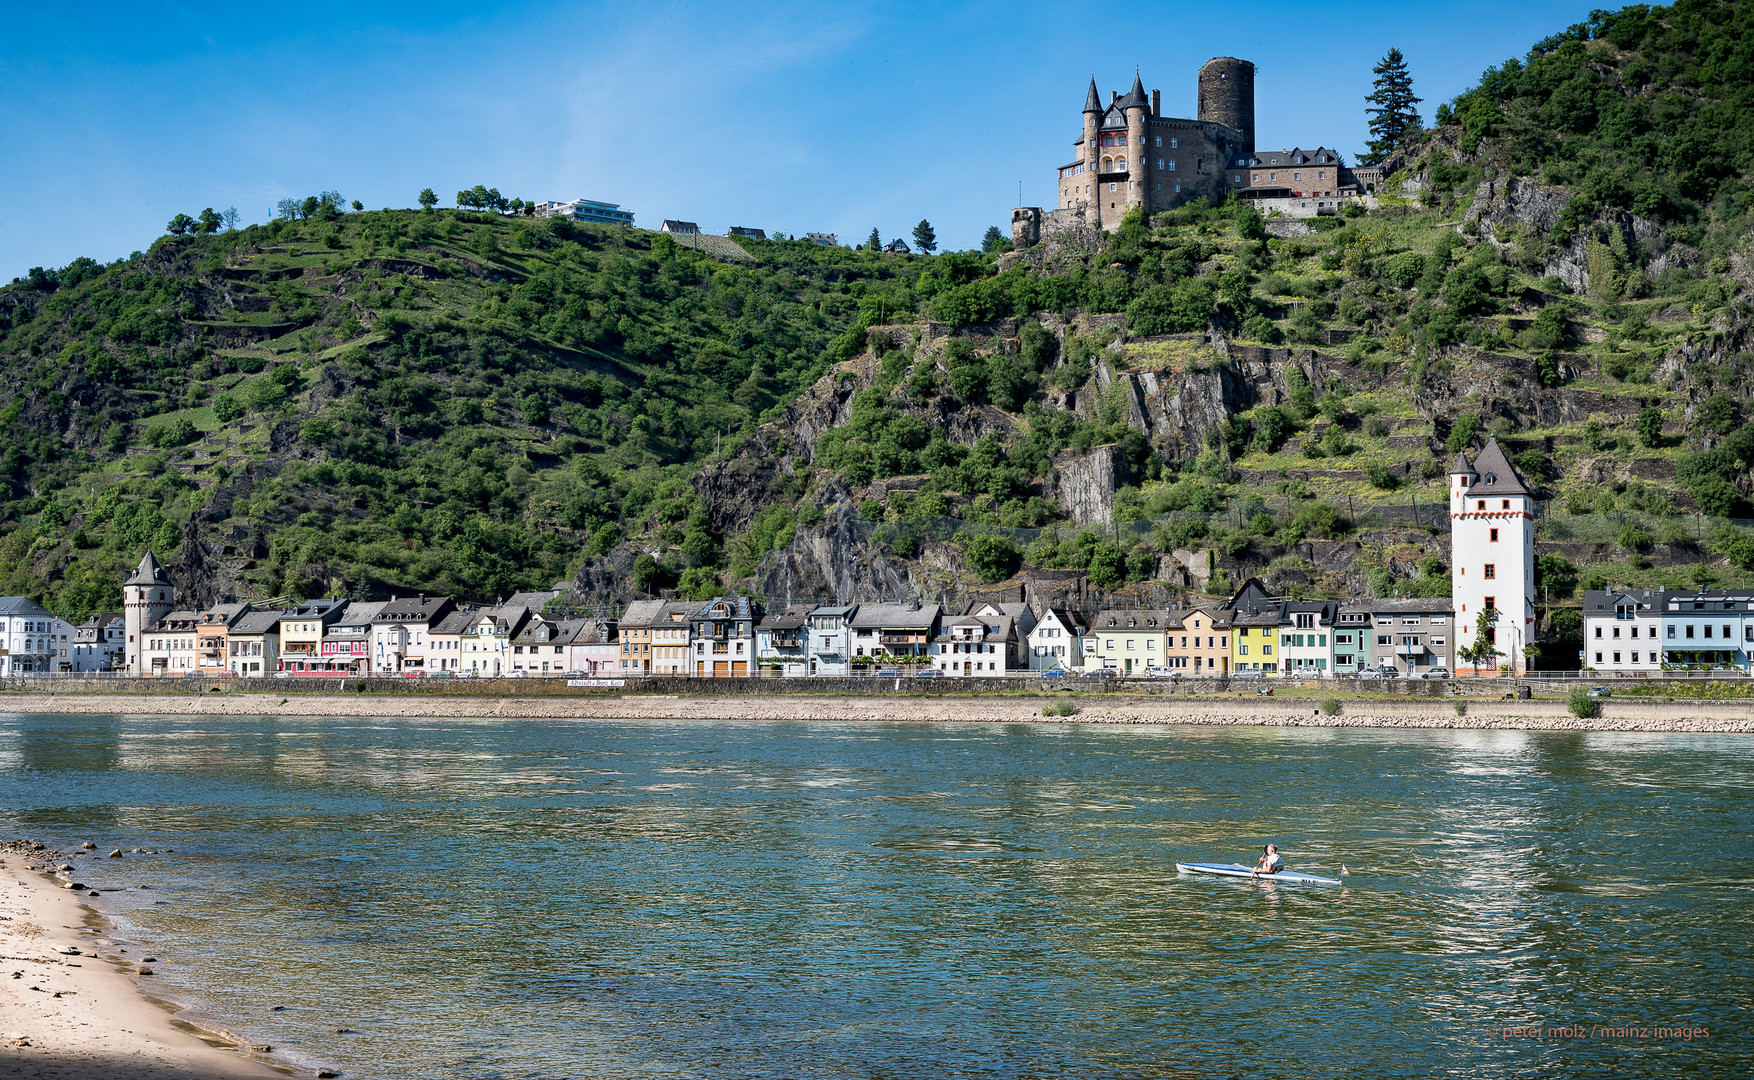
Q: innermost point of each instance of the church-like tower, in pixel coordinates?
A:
(1492, 556)
(147, 596)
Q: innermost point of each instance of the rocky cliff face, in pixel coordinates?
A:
(1085, 483)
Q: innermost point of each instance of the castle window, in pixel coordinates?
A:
(1172, 144)
(1178, 188)
(1321, 176)
(1257, 179)
(1171, 164)
(1492, 536)
(1160, 163)
(1297, 176)
(1159, 141)
(1491, 570)
(1160, 187)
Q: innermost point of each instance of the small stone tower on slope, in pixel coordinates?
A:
(1492, 556)
(147, 596)
(1227, 96)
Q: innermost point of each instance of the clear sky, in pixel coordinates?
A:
(822, 116)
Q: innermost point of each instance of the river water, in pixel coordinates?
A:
(545, 899)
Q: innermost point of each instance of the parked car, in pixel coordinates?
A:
(888, 672)
(520, 673)
(577, 674)
(1436, 673)
(1054, 673)
(439, 675)
(1368, 673)
(928, 673)
(1600, 691)
(1102, 673)
(1155, 671)
(1248, 675)
(283, 674)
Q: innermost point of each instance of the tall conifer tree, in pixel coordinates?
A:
(1392, 108)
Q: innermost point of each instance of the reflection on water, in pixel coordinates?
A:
(535, 899)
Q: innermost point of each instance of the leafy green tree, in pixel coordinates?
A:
(428, 199)
(1108, 566)
(287, 209)
(1482, 652)
(925, 239)
(647, 577)
(993, 240)
(993, 557)
(1392, 108)
(1650, 427)
(180, 224)
(209, 222)
(1719, 414)
(1273, 425)
(1462, 432)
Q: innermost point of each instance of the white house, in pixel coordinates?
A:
(1053, 641)
(1306, 647)
(830, 653)
(98, 643)
(594, 648)
(1492, 558)
(782, 641)
(401, 633)
(1622, 631)
(32, 640)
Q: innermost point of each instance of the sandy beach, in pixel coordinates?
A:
(71, 1005)
(1246, 710)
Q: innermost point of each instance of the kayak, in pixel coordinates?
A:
(1236, 870)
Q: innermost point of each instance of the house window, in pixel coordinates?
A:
(1616, 658)
(1672, 634)
(1481, 505)
(1491, 571)
(1507, 504)
(1492, 536)
(1689, 629)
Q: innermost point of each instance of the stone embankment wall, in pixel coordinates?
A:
(736, 687)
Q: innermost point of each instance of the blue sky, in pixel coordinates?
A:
(831, 117)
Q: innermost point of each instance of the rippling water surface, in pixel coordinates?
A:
(597, 899)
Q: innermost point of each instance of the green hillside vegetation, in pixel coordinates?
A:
(472, 403)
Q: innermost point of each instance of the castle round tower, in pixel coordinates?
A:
(147, 596)
(1227, 96)
(1492, 557)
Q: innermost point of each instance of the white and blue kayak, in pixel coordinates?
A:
(1238, 870)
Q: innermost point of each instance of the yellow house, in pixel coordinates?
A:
(1128, 641)
(1198, 643)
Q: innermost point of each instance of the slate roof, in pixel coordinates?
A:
(1135, 96)
(223, 613)
(414, 609)
(1461, 465)
(1288, 159)
(560, 631)
(1067, 619)
(148, 572)
(361, 614)
(1416, 605)
(1146, 619)
(24, 605)
(895, 617)
(641, 614)
(1093, 100)
(1497, 475)
(258, 622)
(671, 225)
(592, 631)
(454, 622)
(790, 618)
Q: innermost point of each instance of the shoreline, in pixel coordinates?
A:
(72, 1004)
(1724, 717)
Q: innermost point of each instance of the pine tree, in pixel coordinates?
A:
(993, 240)
(1393, 109)
(875, 240)
(925, 238)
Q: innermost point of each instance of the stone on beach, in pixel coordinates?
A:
(116, 854)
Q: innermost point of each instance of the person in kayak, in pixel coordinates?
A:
(1270, 862)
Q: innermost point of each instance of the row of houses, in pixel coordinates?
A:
(1645, 630)
(1251, 634)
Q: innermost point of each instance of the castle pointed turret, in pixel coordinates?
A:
(147, 596)
(1136, 97)
(1093, 100)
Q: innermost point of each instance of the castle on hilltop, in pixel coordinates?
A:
(1131, 155)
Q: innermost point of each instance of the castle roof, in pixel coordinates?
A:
(1093, 100)
(1461, 465)
(1497, 476)
(1135, 96)
(147, 573)
(1279, 159)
